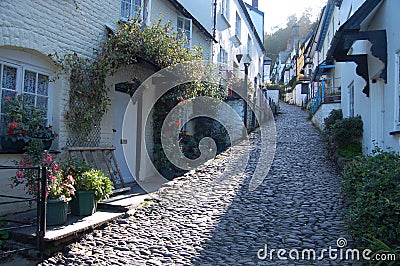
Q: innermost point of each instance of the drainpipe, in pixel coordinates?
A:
(215, 20)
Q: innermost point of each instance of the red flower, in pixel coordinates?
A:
(13, 125)
(10, 132)
(24, 132)
(8, 98)
(177, 123)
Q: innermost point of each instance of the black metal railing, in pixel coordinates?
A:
(40, 199)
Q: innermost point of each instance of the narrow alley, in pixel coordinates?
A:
(193, 221)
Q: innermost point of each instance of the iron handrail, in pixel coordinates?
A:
(40, 209)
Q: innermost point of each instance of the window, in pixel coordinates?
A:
(249, 45)
(225, 9)
(351, 99)
(398, 87)
(33, 84)
(238, 26)
(223, 56)
(184, 28)
(131, 9)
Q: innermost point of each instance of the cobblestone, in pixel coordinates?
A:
(193, 221)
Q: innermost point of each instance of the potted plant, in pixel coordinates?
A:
(60, 188)
(16, 138)
(17, 116)
(26, 122)
(91, 186)
(45, 134)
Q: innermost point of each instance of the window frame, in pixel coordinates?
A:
(131, 5)
(21, 68)
(225, 10)
(179, 30)
(249, 45)
(223, 56)
(397, 80)
(351, 99)
(238, 26)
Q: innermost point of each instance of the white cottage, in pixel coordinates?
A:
(30, 31)
(367, 48)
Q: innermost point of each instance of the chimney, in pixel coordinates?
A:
(254, 3)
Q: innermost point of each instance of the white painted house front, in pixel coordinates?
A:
(30, 31)
(238, 29)
(371, 88)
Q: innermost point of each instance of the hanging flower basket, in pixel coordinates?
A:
(9, 145)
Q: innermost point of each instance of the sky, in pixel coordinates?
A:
(276, 12)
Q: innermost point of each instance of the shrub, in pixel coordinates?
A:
(351, 151)
(346, 131)
(372, 187)
(333, 117)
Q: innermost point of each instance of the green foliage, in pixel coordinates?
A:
(333, 117)
(25, 121)
(75, 167)
(132, 42)
(277, 41)
(372, 187)
(88, 96)
(3, 233)
(347, 131)
(157, 44)
(32, 157)
(379, 247)
(94, 180)
(343, 135)
(350, 151)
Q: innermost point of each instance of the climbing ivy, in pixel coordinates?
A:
(132, 42)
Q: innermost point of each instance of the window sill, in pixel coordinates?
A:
(394, 133)
(226, 20)
(13, 152)
(238, 39)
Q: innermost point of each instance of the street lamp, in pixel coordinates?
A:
(246, 63)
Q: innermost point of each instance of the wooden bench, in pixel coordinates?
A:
(103, 159)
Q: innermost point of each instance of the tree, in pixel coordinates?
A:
(277, 41)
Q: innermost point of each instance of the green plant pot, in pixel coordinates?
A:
(12, 146)
(83, 204)
(56, 212)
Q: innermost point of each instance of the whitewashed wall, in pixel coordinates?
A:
(32, 30)
(380, 111)
(162, 9)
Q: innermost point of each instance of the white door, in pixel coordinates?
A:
(124, 135)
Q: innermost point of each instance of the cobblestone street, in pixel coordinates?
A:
(195, 221)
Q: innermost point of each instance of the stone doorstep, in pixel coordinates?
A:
(115, 208)
(122, 203)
